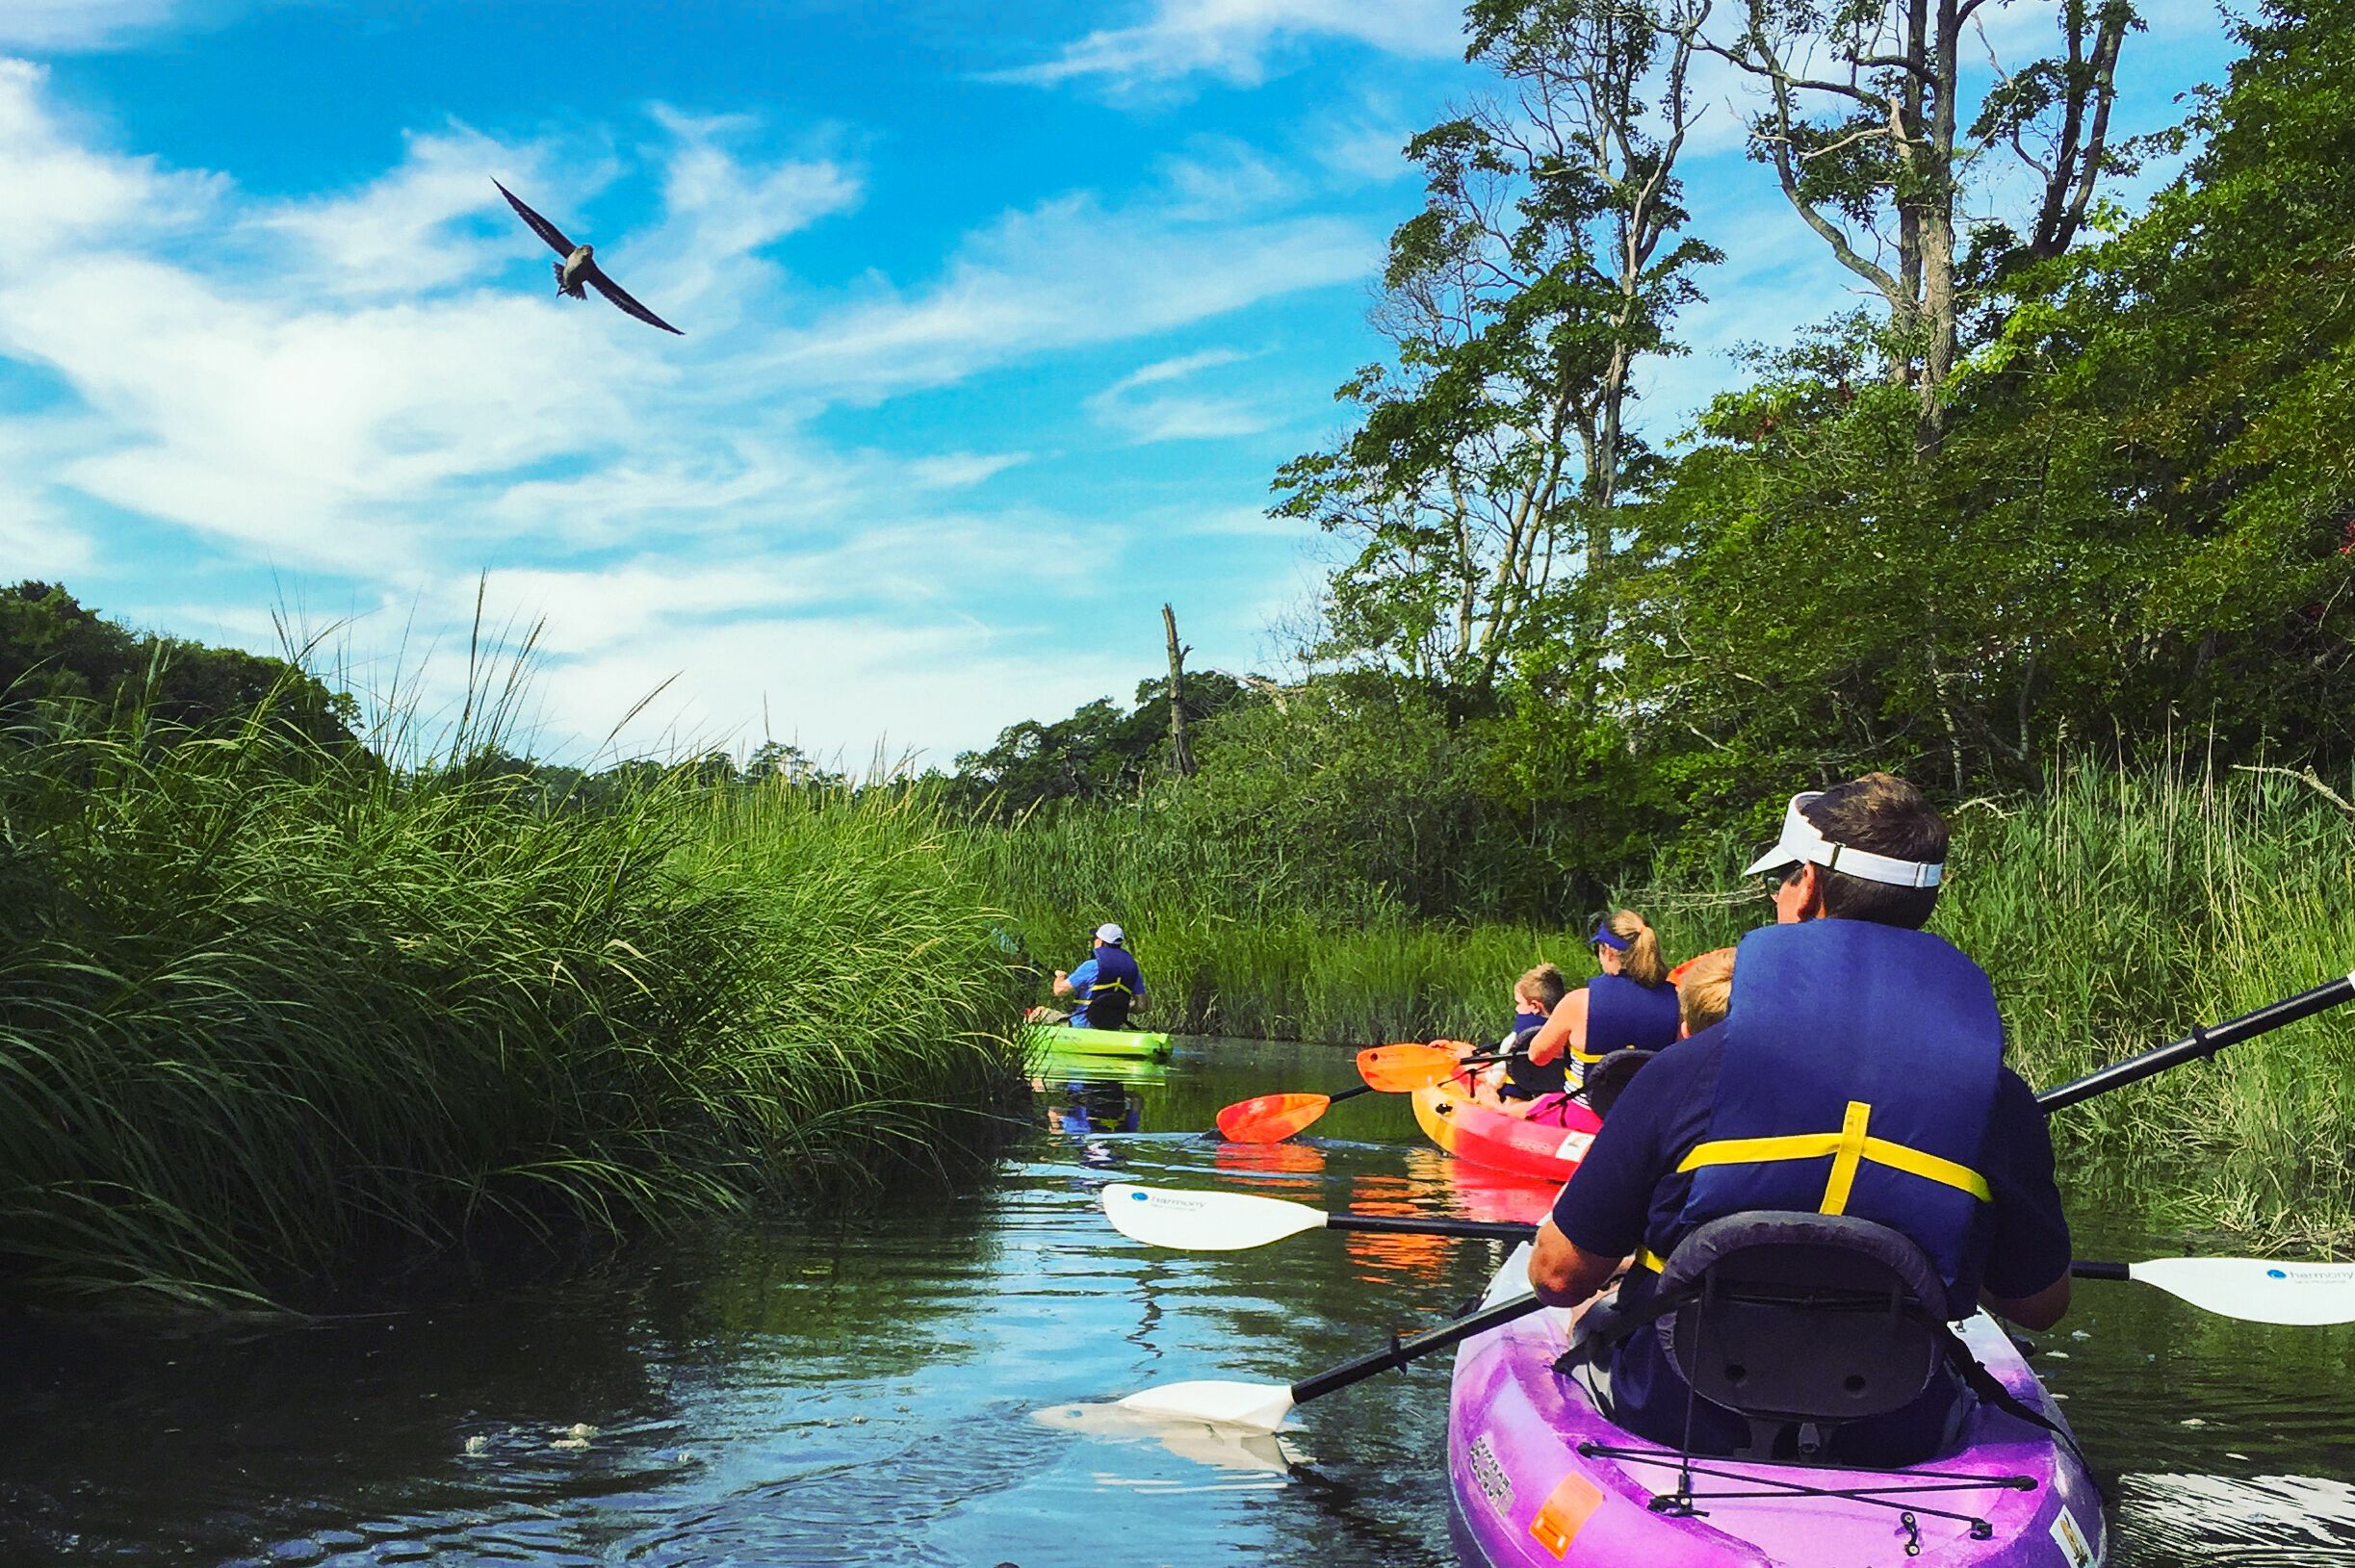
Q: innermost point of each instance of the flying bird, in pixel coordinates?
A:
(580, 267)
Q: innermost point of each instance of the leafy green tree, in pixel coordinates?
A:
(774, 760)
(1102, 752)
(2138, 523)
(1545, 265)
(2187, 389)
(1877, 128)
(53, 649)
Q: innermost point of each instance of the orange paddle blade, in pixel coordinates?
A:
(1270, 1118)
(1398, 1070)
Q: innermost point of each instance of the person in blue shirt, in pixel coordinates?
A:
(1629, 1006)
(1859, 1070)
(1106, 986)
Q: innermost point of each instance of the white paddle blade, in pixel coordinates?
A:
(2255, 1289)
(1259, 1407)
(1204, 1221)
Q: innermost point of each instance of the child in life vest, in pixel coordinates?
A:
(1534, 997)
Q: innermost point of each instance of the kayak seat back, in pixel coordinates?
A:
(1800, 1322)
(1608, 1079)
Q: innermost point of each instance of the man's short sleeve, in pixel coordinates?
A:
(2027, 1244)
(1084, 977)
(1607, 1204)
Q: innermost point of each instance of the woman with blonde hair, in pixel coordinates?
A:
(1630, 1006)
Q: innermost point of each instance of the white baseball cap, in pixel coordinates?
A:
(1110, 933)
(1801, 842)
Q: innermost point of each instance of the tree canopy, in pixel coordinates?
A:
(54, 650)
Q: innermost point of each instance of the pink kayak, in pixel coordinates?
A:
(1541, 1479)
(1545, 1146)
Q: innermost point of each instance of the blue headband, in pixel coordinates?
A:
(1605, 937)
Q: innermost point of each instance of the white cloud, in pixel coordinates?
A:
(1221, 177)
(1235, 38)
(398, 236)
(846, 688)
(80, 24)
(1061, 275)
(1177, 418)
(959, 470)
(1363, 147)
(1173, 369)
(59, 192)
(1187, 418)
(35, 541)
(372, 395)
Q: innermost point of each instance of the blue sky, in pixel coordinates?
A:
(999, 318)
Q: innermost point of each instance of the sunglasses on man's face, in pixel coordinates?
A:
(1774, 881)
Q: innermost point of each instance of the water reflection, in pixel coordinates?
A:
(1289, 1159)
(1089, 1105)
(918, 1386)
(1479, 1192)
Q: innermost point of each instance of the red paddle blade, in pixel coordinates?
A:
(1398, 1070)
(1270, 1118)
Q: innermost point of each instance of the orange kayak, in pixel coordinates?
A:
(1546, 1148)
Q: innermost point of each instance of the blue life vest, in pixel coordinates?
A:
(1524, 1079)
(1116, 974)
(1859, 1074)
(1622, 1014)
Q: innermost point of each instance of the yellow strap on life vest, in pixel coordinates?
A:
(1590, 1058)
(1104, 987)
(1848, 1148)
(1651, 1260)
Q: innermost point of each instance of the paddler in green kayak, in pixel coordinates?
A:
(1106, 986)
(1859, 1073)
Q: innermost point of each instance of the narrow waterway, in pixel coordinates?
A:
(896, 1393)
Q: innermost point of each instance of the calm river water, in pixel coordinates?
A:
(890, 1395)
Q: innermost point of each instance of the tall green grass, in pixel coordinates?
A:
(273, 1015)
(2117, 909)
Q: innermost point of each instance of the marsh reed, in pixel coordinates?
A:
(2117, 909)
(277, 1018)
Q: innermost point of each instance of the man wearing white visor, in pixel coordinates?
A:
(1810, 875)
(1857, 1074)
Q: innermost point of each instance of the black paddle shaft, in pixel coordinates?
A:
(1496, 1230)
(1400, 1352)
(2199, 1043)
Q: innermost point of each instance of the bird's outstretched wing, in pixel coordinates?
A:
(594, 276)
(539, 226)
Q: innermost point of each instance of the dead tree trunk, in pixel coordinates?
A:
(1181, 759)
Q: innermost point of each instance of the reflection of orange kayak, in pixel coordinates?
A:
(1424, 1257)
(1288, 1159)
(1483, 1194)
(1484, 1136)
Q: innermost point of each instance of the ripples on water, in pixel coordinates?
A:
(928, 1391)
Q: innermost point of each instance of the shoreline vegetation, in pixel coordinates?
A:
(281, 1003)
(277, 1018)
(2119, 908)
(282, 1021)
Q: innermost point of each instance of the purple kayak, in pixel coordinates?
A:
(1531, 1487)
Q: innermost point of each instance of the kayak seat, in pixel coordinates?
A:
(1800, 1322)
(1608, 1079)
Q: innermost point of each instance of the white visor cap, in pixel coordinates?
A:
(1112, 934)
(1801, 842)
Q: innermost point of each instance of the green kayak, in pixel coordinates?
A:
(1067, 1041)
